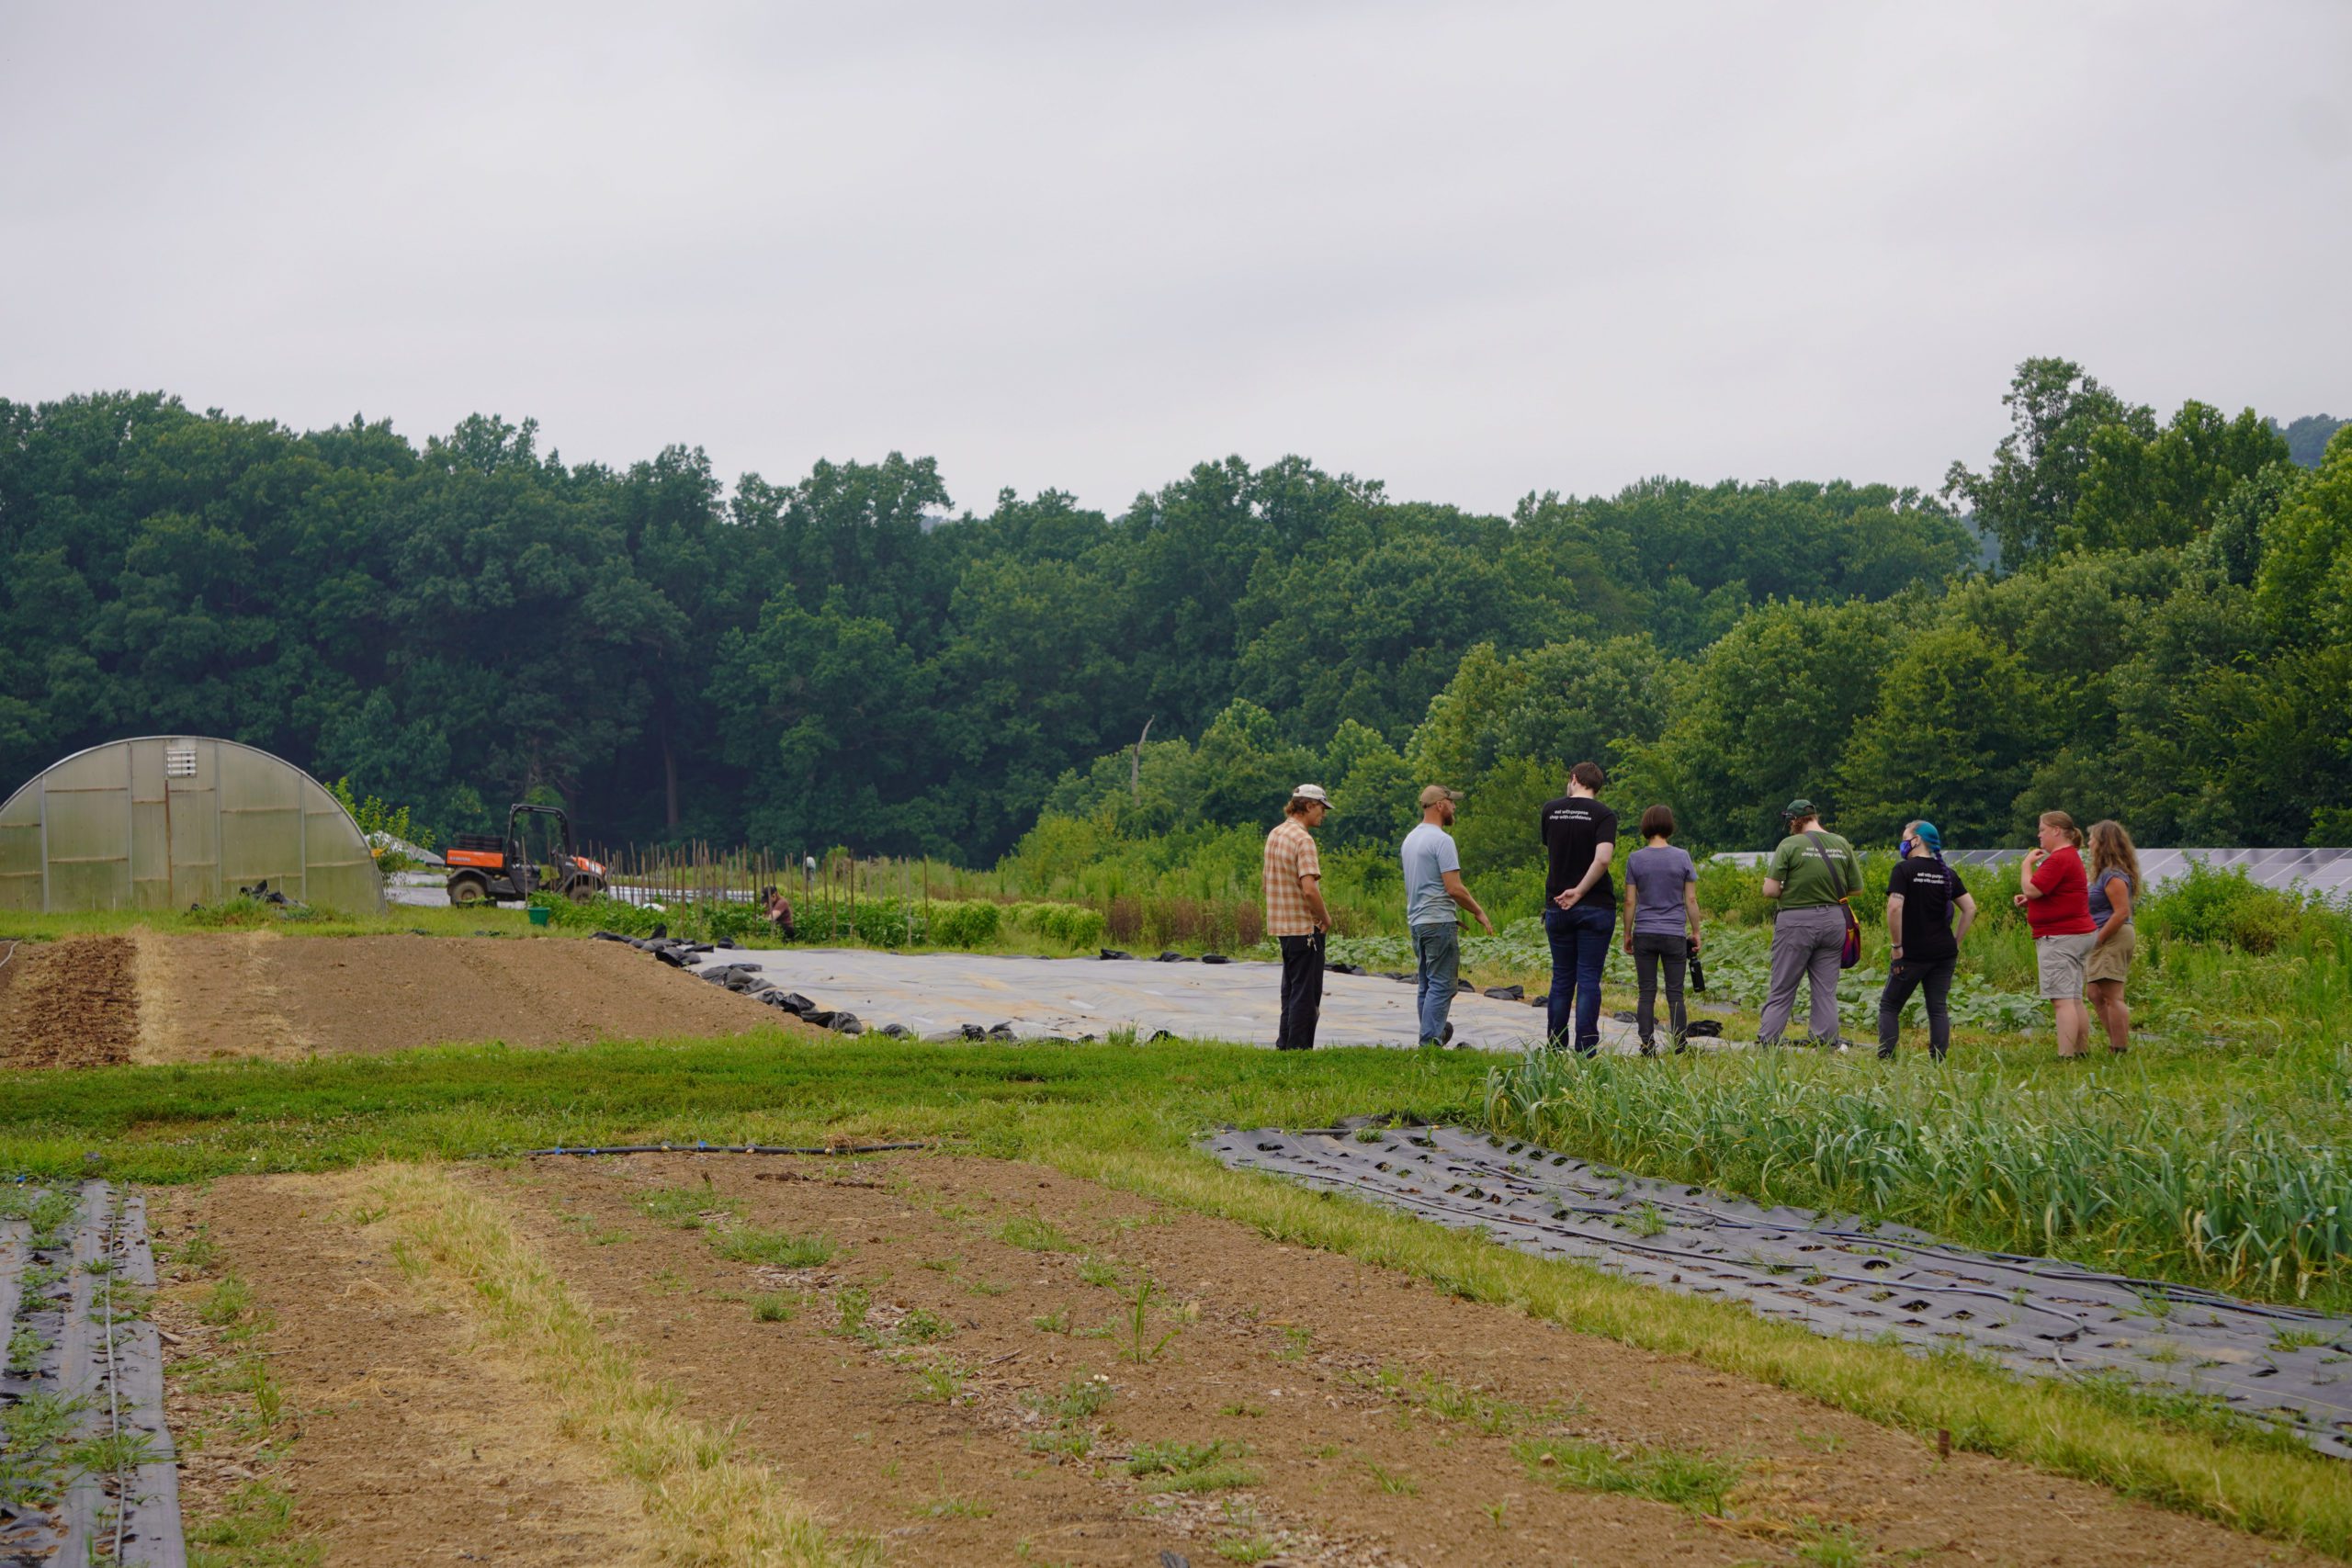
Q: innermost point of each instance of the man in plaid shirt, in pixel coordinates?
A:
(1296, 916)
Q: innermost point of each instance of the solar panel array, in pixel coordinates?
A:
(2327, 872)
(2324, 872)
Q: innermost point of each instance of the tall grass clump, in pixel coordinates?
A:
(2143, 1182)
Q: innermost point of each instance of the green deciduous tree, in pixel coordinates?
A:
(2026, 498)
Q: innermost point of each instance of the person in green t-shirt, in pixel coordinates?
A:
(1810, 873)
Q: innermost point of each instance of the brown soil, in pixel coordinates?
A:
(68, 1004)
(89, 1000)
(409, 1441)
(1276, 1350)
(207, 997)
(384, 993)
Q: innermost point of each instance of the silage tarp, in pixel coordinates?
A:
(1069, 998)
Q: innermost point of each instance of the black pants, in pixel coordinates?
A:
(1903, 977)
(1651, 948)
(1302, 992)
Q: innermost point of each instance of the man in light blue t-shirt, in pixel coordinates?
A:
(1433, 891)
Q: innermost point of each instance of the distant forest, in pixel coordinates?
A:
(2165, 633)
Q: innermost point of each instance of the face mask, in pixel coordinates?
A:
(1903, 849)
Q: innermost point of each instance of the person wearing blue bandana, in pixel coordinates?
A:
(1923, 897)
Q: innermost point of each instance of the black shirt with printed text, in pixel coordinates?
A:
(1930, 890)
(1571, 826)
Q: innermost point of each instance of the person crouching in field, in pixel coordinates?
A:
(2114, 884)
(1921, 898)
(1433, 891)
(1812, 873)
(1296, 916)
(1661, 925)
(2056, 901)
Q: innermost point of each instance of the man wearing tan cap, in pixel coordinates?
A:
(1296, 916)
(1433, 893)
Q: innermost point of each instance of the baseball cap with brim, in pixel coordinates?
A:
(1436, 793)
(1310, 791)
(1800, 807)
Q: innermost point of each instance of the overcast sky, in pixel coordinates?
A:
(1474, 249)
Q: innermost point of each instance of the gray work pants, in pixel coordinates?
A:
(1805, 943)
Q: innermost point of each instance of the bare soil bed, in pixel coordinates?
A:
(976, 1373)
(88, 1001)
(68, 1004)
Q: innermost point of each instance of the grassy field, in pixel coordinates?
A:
(1125, 1117)
(2211, 1153)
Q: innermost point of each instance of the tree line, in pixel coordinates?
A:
(848, 659)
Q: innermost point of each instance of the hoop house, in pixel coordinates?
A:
(166, 821)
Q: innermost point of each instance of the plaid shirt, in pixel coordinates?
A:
(1290, 854)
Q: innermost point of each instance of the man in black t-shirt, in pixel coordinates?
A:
(1580, 904)
(1921, 898)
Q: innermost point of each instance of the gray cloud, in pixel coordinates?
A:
(1474, 249)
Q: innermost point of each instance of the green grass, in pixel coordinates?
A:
(252, 914)
(942, 1383)
(1032, 1233)
(1192, 1468)
(687, 1208)
(773, 1249)
(1446, 1400)
(1832, 1546)
(253, 1529)
(1125, 1117)
(923, 1327)
(2229, 1171)
(1686, 1479)
(1081, 1399)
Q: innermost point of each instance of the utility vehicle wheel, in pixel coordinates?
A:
(581, 889)
(468, 890)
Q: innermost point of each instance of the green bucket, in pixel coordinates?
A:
(541, 916)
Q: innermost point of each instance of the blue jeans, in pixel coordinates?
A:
(1437, 951)
(1579, 950)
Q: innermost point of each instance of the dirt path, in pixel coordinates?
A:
(929, 1384)
(412, 1442)
(91, 1000)
(69, 1004)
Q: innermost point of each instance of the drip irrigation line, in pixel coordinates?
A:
(114, 1394)
(704, 1148)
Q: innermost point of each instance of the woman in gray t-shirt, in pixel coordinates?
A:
(1661, 924)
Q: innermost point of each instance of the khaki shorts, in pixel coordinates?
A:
(2060, 959)
(2113, 961)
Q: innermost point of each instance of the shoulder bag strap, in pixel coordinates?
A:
(1836, 876)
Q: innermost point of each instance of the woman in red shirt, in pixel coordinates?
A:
(2057, 905)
